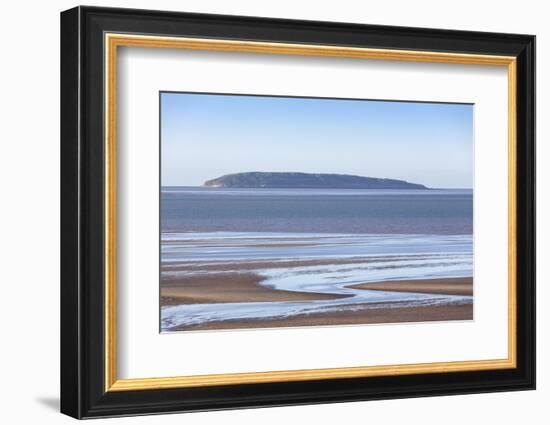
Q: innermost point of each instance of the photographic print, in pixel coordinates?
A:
(257, 183)
(281, 211)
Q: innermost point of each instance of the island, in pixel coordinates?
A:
(292, 180)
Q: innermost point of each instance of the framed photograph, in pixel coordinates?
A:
(261, 212)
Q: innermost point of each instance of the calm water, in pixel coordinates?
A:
(330, 239)
(355, 211)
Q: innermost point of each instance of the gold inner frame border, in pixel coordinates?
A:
(113, 40)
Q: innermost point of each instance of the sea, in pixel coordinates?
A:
(352, 211)
(331, 239)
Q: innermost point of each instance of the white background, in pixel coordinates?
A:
(140, 344)
(29, 172)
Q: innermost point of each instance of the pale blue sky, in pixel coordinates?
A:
(204, 136)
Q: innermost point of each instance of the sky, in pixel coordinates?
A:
(204, 136)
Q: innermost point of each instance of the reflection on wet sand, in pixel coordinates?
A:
(256, 279)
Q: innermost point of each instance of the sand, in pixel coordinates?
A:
(244, 287)
(228, 288)
(449, 286)
(366, 316)
(262, 264)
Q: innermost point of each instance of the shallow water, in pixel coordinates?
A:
(376, 258)
(231, 246)
(298, 239)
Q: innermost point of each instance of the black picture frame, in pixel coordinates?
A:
(83, 392)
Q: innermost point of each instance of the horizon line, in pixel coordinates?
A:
(319, 188)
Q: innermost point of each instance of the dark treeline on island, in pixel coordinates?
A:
(307, 181)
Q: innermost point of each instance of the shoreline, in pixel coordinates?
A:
(234, 266)
(245, 287)
(230, 288)
(383, 315)
(199, 287)
(444, 286)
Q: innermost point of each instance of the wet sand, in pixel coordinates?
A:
(356, 317)
(245, 287)
(228, 288)
(284, 264)
(449, 286)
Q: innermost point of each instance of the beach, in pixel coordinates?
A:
(246, 288)
(353, 317)
(207, 295)
(449, 286)
(233, 259)
(229, 288)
